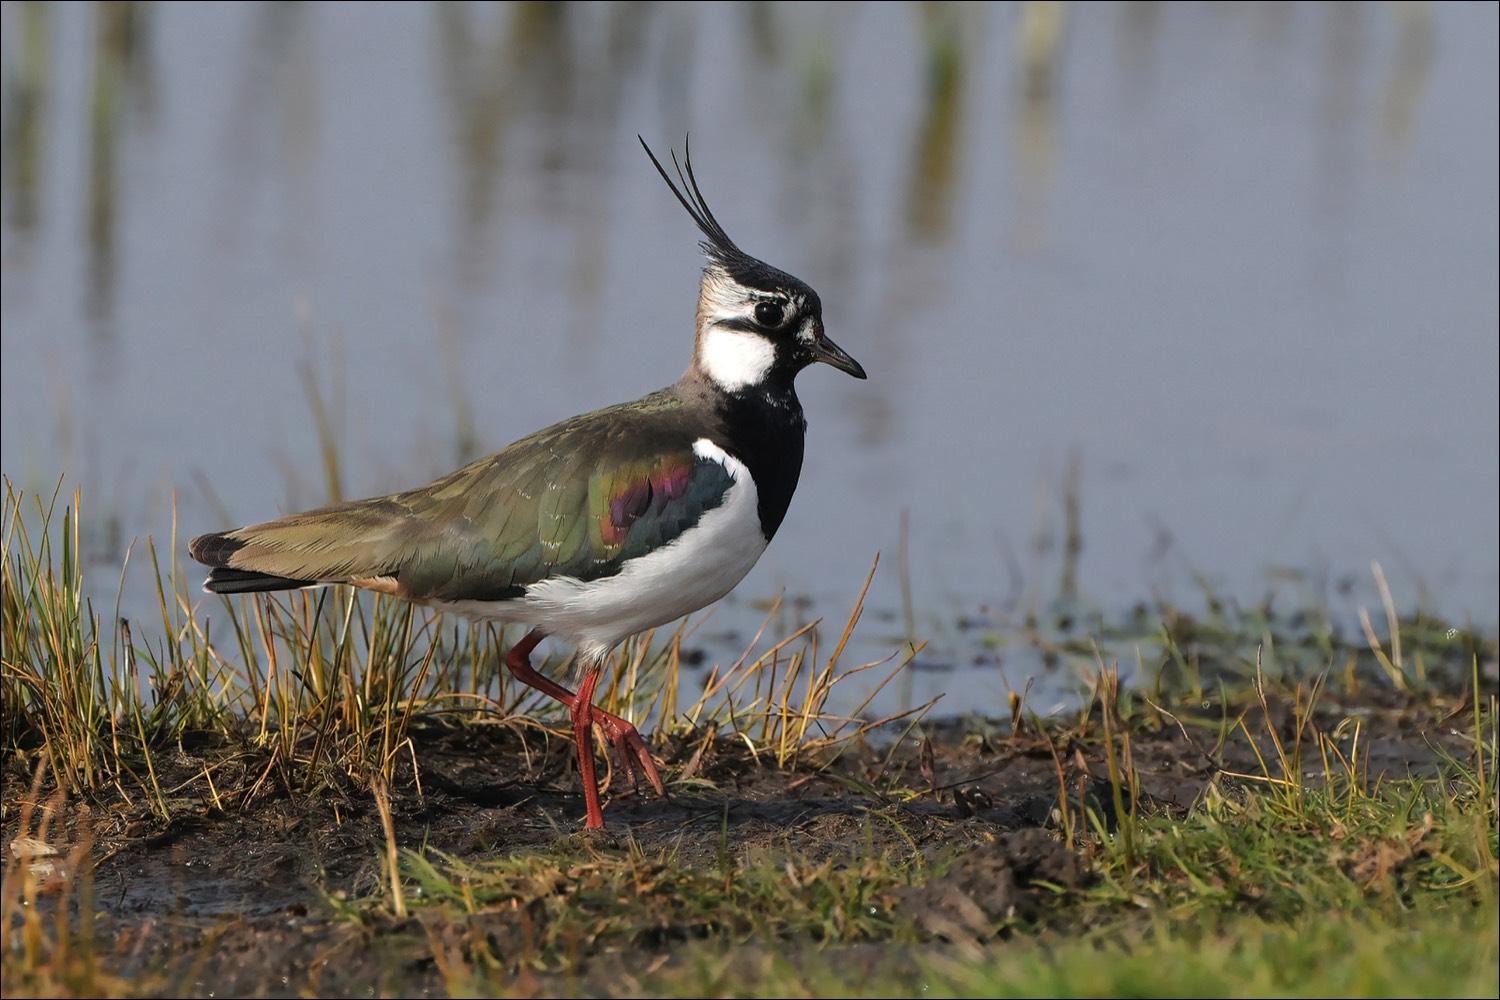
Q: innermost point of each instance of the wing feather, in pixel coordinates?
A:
(576, 500)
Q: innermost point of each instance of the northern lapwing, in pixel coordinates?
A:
(599, 527)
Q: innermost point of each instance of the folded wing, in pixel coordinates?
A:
(569, 502)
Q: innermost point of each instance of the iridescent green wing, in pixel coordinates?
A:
(578, 500)
(560, 516)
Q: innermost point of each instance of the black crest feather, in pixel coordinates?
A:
(721, 250)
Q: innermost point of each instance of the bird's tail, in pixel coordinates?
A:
(344, 543)
(216, 551)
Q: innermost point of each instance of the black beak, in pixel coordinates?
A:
(830, 353)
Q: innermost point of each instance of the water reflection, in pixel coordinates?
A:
(1410, 71)
(122, 84)
(1156, 249)
(937, 149)
(268, 138)
(476, 73)
(27, 91)
(1039, 50)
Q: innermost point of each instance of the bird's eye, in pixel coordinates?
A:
(768, 313)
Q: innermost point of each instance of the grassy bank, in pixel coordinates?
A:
(1327, 833)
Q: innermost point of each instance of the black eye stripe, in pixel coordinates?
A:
(741, 325)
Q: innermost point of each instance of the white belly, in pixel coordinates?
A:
(692, 571)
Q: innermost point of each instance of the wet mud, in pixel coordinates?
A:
(254, 883)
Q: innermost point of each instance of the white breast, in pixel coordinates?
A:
(692, 571)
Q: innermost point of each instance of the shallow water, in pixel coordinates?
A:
(1174, 297)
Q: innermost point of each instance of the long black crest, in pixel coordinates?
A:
(718, 245)
(720, 248)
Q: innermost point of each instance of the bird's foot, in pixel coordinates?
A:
(630, 748)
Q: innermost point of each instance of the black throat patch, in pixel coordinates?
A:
(765, 430)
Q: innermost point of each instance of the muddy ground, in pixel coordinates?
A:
(239, 892)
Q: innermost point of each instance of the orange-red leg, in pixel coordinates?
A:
(518, 661)
(582, 711)
(623, 736)
(630, 748)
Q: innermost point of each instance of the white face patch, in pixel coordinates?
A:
(735, 358)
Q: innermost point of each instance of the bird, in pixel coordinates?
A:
(599, 527)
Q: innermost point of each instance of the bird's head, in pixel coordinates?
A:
(757, 325)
